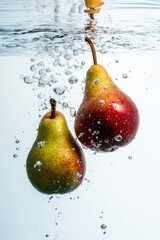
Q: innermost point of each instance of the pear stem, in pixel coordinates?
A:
(53, 107)
(87, 39)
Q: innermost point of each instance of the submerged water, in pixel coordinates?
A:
(38, 26)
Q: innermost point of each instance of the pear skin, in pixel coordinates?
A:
(55, 163)
(107, 117)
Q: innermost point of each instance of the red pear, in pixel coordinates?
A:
(107, 118)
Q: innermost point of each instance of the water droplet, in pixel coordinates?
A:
(73, 80)
(41, 144)
(78, 175)
(80, 135)
(118, 138)
(37, 164)
(72, 112)
(59, 90)
(101, 103)
(15, 155)
(96, 81)
(124, 75)
(103, 226)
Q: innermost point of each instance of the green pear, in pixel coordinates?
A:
(55, 163)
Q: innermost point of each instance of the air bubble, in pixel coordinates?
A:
(78, 175)
(33, 68)
(103, 226)
(41, 144)
(43, 80)
(59, 90)
(118, 138)
(73, 80)
(65, 104)
(37, 164)
(116, 61)
(96, 81)
(72, 112)
(17, 141)
(15, 155)
(80, 135)
(68, 56)
(28, 80)
(101, 103)
(40, 64)
(41, 95)
(124, 75)
(130, 157)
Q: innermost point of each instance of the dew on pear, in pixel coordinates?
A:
(96, 81)
(59, 90)
(73, 80)
(118, 138)
(41, 144)
(102, 103)
(38, 164)
(72, 112)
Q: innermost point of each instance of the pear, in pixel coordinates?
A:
(107, 118)
(55, 163)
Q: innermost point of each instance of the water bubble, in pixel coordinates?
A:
(33, 68)
(124, 75)
(73, 80)
(118, 138)
(96, 81)
(78, 175)
(40, 64)
(42, 71)
(43, 80)
(68, 72)
(59, 90)
(103, 226)
(65, 104)
(53, 78)
(15, 155)
(101, 103)
(41, 95)
(68, 56)
(48, 69)
(72, 112)
(28, 80)
(38, 164)
(80, 135)
(41, 144)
